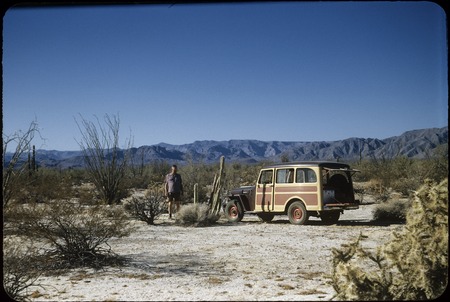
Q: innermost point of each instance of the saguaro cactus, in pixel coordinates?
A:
(33, 160)
(217, 187)
(29, 164)
(196, 193)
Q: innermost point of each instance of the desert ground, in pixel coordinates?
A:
(249, 260)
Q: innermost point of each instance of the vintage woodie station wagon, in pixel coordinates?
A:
(299, 190)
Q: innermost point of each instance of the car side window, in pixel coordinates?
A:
(310, 176)
(266, 177)
(305, 175)
(300, 178)
(285, 176)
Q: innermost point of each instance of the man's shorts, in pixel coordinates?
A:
(174, 197)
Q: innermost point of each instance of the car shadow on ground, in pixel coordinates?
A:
(362, 222)
(284, 220)
(350, 222)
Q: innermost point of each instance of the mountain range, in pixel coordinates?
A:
(412, 144)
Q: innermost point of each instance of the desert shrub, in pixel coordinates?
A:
(406, 186)
(86, 194)
(136, 177)
(195, 215)
(373, 187)
(402, 174)
(196, 173)
(435, 166)
(360, 191)
(147, 208)
(77, 176)
(384, 195)
(76, 235)
(235, 175)
(12, 216)
(157, 170)
(45, 185)
(20, 269)
(139, 175)
(393, 210)
(240, 174)
(48, 184)
(135, 182)
(413, 265)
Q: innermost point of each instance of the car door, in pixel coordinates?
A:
(308, 187)
(284, 188)
(264, 191)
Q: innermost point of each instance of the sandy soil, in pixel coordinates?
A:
(250, 260)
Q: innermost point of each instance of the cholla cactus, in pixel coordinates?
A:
(359, 274)
(413, 265)
(420, 252)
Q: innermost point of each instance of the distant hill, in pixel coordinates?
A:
(413, 144)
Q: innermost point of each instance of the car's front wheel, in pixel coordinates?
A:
(234, 211)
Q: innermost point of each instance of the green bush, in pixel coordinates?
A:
(195, 215)
(413, 265)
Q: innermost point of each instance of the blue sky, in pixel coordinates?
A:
(268, 71)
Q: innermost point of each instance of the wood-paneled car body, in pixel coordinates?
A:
(298, 190)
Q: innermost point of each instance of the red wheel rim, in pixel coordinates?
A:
(233, 211)
(297, 213)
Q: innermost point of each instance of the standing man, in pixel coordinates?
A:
(174, 189)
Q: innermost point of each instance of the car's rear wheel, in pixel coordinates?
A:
(234, 211)
(266, 217)
(297, 213)
(330, 217)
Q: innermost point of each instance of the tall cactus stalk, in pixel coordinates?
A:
(196, 193)
(33, 159)
(217, 188)
(29, 164)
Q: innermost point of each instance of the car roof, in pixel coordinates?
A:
(308, 163)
